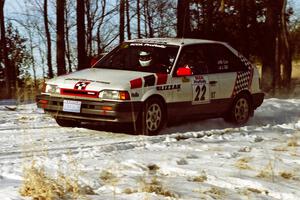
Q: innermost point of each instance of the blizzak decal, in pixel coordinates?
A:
(81, 85)
(161, 79)
(149, 80)
(244, 79)
(168, 87)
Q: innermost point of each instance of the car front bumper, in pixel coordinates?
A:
(91, 110)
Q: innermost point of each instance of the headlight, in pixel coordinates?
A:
(114, 95)
(52, 89)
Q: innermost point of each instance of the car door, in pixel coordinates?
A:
(225, 65)
(197, 88)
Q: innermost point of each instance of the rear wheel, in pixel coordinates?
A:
(152, 118)
(67, 123)
(240, 111)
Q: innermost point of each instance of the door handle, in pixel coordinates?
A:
(212, 82)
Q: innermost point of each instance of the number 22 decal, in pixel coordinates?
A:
(200, 90)
(200, 93)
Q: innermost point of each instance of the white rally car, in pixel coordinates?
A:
(148, 82)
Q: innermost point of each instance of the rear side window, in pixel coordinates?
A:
(222, 60)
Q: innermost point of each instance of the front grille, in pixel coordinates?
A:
(80, 93)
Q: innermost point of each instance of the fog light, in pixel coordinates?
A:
(107, 108)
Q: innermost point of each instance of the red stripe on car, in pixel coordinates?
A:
(161, 79)
(136, 83)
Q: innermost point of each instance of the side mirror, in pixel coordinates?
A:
(184, 71)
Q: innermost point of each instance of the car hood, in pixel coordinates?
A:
(98, 79)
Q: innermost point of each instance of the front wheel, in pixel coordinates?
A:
(240, 111)
(152, 118)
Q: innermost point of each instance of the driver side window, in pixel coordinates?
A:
(194, 58)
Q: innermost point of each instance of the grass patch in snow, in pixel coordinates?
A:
(215, 193)
(153, 168)
(293, 142)
(200, 179)
(155, 186)
(286, 175)
(243, 163)
(38, 185)
(108, 177)
(267, 172)
(129, 191)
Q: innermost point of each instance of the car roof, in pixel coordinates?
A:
(175, 41)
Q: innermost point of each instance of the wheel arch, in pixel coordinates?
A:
(162, 100)
(249, 95)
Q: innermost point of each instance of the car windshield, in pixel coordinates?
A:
(146, 57)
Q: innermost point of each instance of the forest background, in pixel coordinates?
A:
(40, 39)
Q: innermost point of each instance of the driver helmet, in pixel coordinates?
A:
(145, 58)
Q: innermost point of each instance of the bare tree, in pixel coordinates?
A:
(81, 35)
(138, 18)
(285, 38)
(122, 20)
(183, 18)
(128, 20)
(48, 38)
(67, 35)
(60, 40)
(4, 56)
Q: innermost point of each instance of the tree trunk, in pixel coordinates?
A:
(287, 60)
(48, 38)
(122, 20)
(89, 29)
(4, 56)
(183, 18)
(145, 19)
(243, 10)
(138, 18)
(81, 51)
(68, 48)
(60, 40)
(269, 43)
(128, 20)
(99, 42)
(149, 19)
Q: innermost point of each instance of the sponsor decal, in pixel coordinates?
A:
(81, 85)
(185, 79)
(199, 80)
(135, 94)
(147, 45)
(169, 87)
(86, 80)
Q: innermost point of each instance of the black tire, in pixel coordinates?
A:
(240, 111)
(152, 118)
(67, 123)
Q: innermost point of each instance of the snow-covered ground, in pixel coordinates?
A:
(207, 159)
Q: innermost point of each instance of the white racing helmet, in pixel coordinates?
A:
(145, 58)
